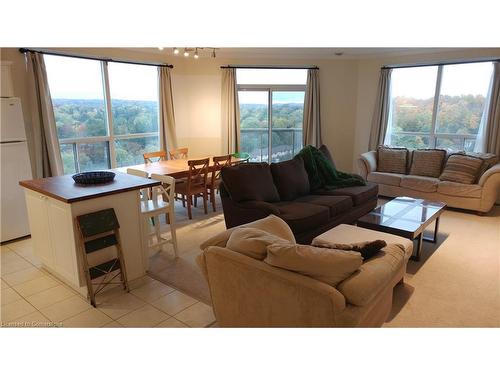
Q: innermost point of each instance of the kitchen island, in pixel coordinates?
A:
(53, 204)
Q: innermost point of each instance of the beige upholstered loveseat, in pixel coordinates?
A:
(247, 292)
(479, 197)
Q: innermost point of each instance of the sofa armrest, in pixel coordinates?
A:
(267, 208)
(367, 163)
(488, 173)
(490, 182)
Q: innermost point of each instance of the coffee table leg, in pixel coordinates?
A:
(416, 257)
(433, 239)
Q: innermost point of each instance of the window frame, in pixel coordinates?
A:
(110, 138)
(432, 134)
(270, 89)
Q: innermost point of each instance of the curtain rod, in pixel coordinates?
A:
(397, 66)
(267, 67)
(24, 50)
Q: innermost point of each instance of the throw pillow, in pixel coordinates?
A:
(367, 249)
(250, 182)
(427, 163)
(392, 160)
(462, 169)
(252, 242)
(291, 179)
(489, 160)
(326, 265)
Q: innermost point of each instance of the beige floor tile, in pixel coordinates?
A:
(50, 296)
(120, 305)
(66, 308)
(146, 316)
(23, 276)
(15, 310)
(87, 319)
(137, 283)
(35, 286)
(9, 295)
(113, 324)
(152, 291)
(197, 315)
(174, 302)
(171, 323)
(4, 249)
(32, 320)
(21, 244)
(4, 284)
(11, 262)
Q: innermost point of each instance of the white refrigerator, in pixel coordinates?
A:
(15, 166)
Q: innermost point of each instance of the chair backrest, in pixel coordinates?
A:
(139, 173)
(179, 153)
(219, 162)
(160, 155)
(198, 172)
(166, 189)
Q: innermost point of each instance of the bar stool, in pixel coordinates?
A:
(161, 202)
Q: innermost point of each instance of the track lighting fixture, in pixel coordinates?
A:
(176, 51)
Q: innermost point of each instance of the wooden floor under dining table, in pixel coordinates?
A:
(176, 168)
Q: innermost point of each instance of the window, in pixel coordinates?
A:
(438, 106)
(106, 113)
(271, 112)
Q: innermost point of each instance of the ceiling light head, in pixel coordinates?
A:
(160, 48)
(186, 53)
(339, 53)
(176, 51)
(213, 53)
(196, 54)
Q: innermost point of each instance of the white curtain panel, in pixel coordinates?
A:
(168, 137)
(381, 114)
(488, 139)
(312, 116)
(230, 110)
(47, 155)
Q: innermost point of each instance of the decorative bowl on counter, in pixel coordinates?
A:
(93, 178)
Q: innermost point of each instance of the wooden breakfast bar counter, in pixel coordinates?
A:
(53, 204)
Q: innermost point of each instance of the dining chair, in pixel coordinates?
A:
(178, 153)
(159, 202)
(160, 155)
(214, 182)
(195, 184)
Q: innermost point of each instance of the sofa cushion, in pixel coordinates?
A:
(336, 204)
(271, 224)
(393, 179)
(327, 154)
(373, 276)
(420, 183)
(427, 163)
(358, 194)
(250, 182)
(290, 178)
(327, 265)
(459, 190)
(252, 242)
(392, 160)
(462, 168)
(302, 217)
(489, 160)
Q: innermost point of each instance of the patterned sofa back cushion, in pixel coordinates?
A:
(461, 168)
(428, 163)
(392, 159)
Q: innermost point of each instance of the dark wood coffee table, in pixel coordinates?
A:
(406, 217)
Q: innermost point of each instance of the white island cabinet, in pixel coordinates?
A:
(54, 203)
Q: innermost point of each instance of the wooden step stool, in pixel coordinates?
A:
(99, 231)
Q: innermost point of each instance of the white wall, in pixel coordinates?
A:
(368, 76)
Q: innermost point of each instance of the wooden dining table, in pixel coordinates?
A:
(177, 168)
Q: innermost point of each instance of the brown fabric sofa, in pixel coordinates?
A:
(251, 191)
(247, 292)
(479, 197)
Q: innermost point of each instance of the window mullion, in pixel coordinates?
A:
(270, 122)
(435, 109)
(107, 99)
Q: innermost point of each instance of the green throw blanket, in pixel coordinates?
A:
(323, 175)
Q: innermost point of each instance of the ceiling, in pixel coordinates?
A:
(298, 53)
